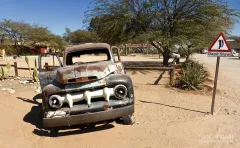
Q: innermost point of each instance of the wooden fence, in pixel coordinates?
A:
(128, 65)
(171, 69)
(150, 65)
(16, 68)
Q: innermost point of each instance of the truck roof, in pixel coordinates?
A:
(87, 46)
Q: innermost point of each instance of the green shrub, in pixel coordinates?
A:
(4, 71)
(35, 72)
(23, 51)
(192, 76)
(27, 61)
(35, 75)
(10, 50)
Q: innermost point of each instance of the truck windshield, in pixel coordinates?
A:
(88, 56)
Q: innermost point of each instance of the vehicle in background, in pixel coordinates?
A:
(176, 57)
(204, 51)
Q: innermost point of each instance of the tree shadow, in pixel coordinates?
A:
(234, 58)
(155, 58)
(156, 84)
(34, 117)
(33, 101)
(174, 106)
(159, 78)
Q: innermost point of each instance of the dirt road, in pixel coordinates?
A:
(165, 117)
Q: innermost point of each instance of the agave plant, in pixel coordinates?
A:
(2, 73)
(192, 76)
(5, 71)
(35, 73)
(27, 61)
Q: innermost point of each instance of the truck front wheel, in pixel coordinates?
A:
(128, 120)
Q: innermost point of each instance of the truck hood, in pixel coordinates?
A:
(85, 72)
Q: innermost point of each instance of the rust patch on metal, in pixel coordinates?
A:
(105, 106)
(80, 79)
(81, 68)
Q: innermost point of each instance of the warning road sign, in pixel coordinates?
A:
(219, 47)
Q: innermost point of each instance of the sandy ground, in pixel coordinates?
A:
(166, 117)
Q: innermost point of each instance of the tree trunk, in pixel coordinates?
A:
(17, 48)
(187, 57)
(165, 59)
(159, 54)
(166, 52)
(126, 50)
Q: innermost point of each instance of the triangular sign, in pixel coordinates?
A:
(220, 45)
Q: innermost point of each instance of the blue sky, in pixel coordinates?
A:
(59, 14)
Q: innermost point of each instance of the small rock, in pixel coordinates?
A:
(31, 83)
(11, 91)
(38, 91)
(23, 82)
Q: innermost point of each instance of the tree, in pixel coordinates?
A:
(118, 21)
(15, 31)
(58, 43)
(200, 34)
(25, 34)
(165, 21)
(79, 36)
(41, 35)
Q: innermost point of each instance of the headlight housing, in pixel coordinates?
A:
(120, 91)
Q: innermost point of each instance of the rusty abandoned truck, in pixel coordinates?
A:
(83, 91)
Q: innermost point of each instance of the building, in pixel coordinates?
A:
(235, 46)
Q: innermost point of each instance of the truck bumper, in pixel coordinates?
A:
(89, 117)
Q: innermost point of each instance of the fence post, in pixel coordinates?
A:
(16, 69)
(46, 65)
(172, 72)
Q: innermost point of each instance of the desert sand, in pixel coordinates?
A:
(165, 117)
